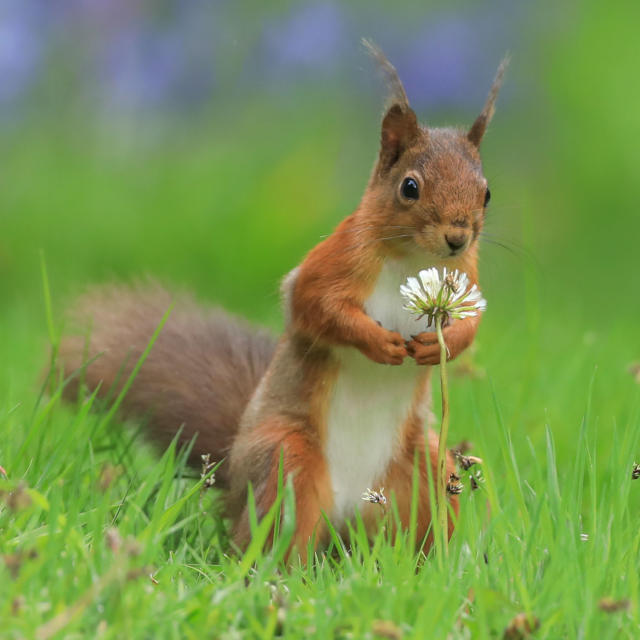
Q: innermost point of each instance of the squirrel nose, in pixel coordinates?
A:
(455, 240)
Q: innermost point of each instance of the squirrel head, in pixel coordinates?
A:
(427, 190)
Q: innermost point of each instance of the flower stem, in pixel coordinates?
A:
(442, 501)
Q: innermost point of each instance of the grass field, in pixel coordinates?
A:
(101, 537)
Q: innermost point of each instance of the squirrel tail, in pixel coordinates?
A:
(200, 374)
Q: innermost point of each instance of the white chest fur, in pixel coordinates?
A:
(370, 401)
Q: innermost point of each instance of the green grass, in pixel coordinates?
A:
(553, 413)
(76, 478)
(225, 209)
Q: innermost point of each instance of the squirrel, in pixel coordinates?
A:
(339, 403)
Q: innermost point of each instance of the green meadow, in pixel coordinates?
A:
(102, 536)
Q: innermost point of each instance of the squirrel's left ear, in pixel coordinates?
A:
(482, 121)
(399, 126)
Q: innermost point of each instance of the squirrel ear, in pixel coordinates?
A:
(400, 125)
(482, 121)
(399, 129)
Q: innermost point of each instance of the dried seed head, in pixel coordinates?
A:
(466, 462)
(386, 629)
(207, 466)
(113, 539)
(17, 605)
(634, 370)
(522, 626)
(18, 499)
(609, 605)
(476, 479)
(139, 572)
(279, 603)
(375, 497)
(14, 561)
(455, 489)
(108, 475)
(635, 472)
(454, 486)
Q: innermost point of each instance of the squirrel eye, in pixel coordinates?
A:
(410, 189)
(487, 197)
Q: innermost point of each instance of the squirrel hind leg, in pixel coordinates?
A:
(297, 446)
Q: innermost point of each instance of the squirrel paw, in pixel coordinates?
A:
(388, 350)
(425, 348)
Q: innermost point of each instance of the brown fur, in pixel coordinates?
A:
(203, 372)
(199, 375)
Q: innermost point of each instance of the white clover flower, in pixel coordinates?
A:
(447, 297)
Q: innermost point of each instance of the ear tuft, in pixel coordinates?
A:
(399, 126)
(481, 123)
(397, 94)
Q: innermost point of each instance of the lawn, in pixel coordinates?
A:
(102, 536)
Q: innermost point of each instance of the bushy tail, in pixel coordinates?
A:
(200, 373)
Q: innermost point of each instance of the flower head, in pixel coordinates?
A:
(446, 297)
(375, 497)
(466, 462)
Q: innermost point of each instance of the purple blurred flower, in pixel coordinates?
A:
(133, 55)
(138, 68)
(20, 50)
(151, 64)
(311, 36)
(447, 59)
(437, 65)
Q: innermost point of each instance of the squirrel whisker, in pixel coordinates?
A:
(512, 247)
(362, 245)
(367, 227)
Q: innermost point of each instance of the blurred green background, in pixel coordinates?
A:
(212, 144)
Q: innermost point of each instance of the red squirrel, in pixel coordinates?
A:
(342, 397)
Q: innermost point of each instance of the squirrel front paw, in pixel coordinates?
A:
(425, 348)
(387, 347)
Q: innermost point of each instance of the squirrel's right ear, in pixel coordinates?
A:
(399, 126)
(399, 130)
